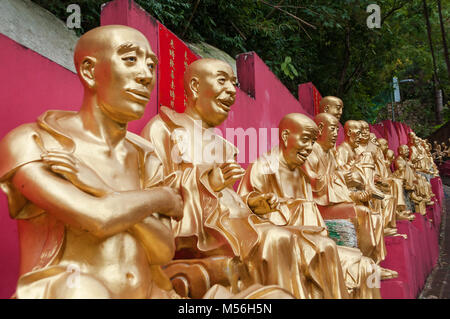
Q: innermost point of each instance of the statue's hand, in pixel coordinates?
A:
(362, 196)
(225, 175)
(262, 204)
(348, 177)
(173, 203)
(76, 172)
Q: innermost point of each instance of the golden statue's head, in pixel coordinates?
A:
(390, 155)
(332, 105)
(328, 126)
(384, 145)
(373, 138)
(352, 131)
(117, 68)
(365, 132)
(411, 138)
(210, 88)
(403, 151)
(297, 136)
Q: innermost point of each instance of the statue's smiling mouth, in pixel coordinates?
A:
(302, 156)
(140, 95)
(225, 104)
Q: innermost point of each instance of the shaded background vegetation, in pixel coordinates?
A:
(323, 41)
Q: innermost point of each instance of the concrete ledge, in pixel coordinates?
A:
(37, 29)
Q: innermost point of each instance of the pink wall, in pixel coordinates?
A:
(261, 103)
(30, 84)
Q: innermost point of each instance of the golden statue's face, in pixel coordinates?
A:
(216, 92)
(365, 132)
(335, 107)
(125, 76)
(330, 132)
(383, 145)
(299, 145)
(403, 151)
(390, 156)
(354, 136)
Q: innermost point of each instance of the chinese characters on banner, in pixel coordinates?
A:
(316, 100)
(174, 57)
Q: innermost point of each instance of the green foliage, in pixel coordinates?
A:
(338, 53)
(288, 68)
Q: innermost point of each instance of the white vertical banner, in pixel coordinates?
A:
(396, 89)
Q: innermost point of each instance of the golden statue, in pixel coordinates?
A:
(372, 159)
(396, 184)
(332, 105)
(438, 154)
(431, 166)
(413, 182)
(217, 221)
(417, 154)
(361, 164)
(291, 185)
(91, 224)
(418, 158)
(334, 197)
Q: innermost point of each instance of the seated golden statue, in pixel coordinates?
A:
(395, 184)
(217, 221)
(432, 168)
(413, 183)
(360, 164)
(334, 198)
(437, 154)
(80, 185)
(296, 206)
(369, 147)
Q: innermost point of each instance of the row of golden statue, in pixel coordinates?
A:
(105, 213)
(441, 152)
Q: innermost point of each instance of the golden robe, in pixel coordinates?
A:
(297, 259)
(413, 183)
(395, 185)
(298, 208)
(331, 194)
(362, 160)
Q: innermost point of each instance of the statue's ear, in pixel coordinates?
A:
(348, 133)
(284, 136)
(326, 108)
(320, 126)
(87, 71)
(193, 86)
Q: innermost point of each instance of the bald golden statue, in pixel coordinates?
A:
(385, 158)
(332, 105)
(217, 221)
(92, 221)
